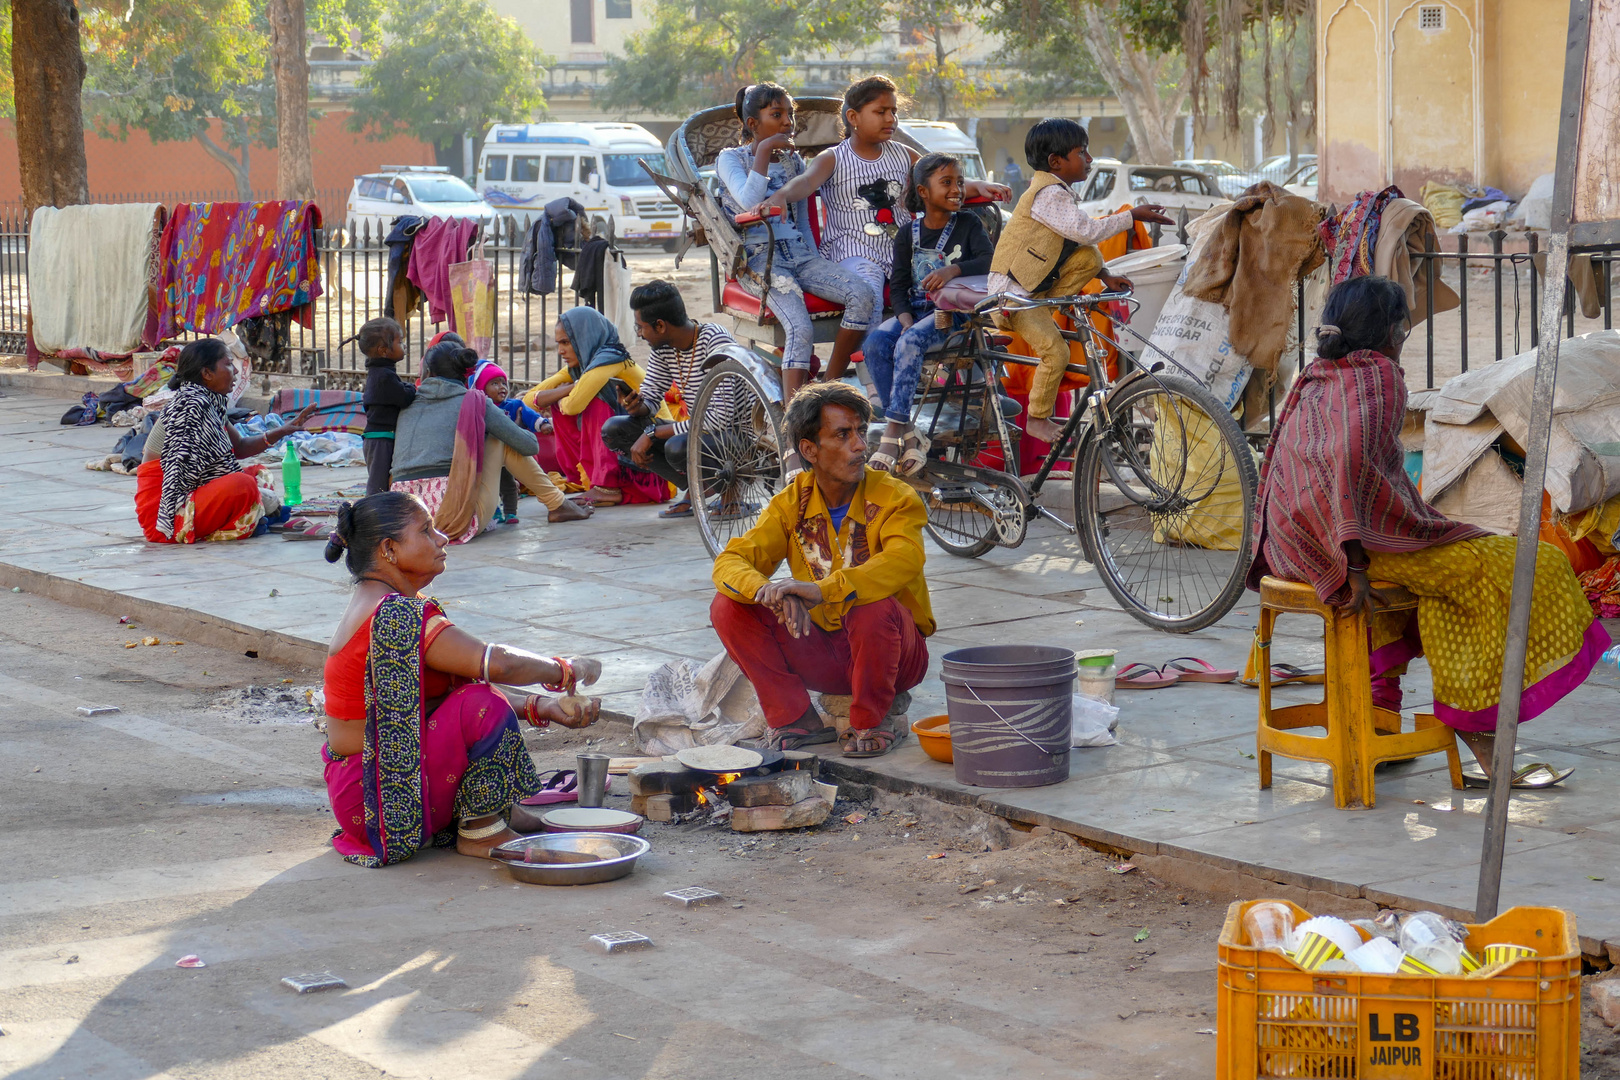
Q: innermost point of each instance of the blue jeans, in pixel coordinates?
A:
(896, 368)
(795, 259)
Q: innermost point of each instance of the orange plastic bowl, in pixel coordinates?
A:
(934, 733)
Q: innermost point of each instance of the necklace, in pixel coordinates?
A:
(378, 580)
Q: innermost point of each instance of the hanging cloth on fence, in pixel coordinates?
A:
(90, 273)
(472, 301)
(441, 243)
(588, 277)
(550, 237)
(225, 262)
(403, 297)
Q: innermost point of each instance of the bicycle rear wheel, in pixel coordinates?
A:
(1164, 499)
(733, 453)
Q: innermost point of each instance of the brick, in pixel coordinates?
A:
(811, 811)
(1606, 1000)
(777, 789)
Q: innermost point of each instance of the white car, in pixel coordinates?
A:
(1114, 184)
(1228, 177)
(420, 190)
(1303, 181)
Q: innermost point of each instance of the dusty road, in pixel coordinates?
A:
(183, 826)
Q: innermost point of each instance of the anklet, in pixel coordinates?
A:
(482, 833)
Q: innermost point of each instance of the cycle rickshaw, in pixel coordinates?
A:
(1163, 479)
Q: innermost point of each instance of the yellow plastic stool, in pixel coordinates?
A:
(1358, 734)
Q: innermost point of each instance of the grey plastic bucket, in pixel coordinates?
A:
(1011, 714)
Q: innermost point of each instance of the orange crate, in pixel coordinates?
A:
(1274, 1019)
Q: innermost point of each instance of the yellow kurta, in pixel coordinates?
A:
(590, 384)
(878, 553)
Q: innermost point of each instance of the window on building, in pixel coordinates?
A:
(560, 170)
(582, 17)
(495, 167)
(618, 9)
(1432, 17)
(525, 170)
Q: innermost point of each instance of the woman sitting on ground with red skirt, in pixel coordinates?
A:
(422, 748)
(192, 488)
(582, 397)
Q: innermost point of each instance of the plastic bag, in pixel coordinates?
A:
(1094, 722)
(472, 302)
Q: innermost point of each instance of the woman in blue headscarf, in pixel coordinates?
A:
(583, 396)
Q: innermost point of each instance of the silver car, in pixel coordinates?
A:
(1114, 183)
(420, 190)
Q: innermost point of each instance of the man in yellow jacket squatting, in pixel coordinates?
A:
(853, 618)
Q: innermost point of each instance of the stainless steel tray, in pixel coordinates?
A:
(574, 858)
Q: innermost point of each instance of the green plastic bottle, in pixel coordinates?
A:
(292, 476)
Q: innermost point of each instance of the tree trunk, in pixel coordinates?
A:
(48, 76)
(289, 59)
(238, 169)
(941, 90)
(1133, 75)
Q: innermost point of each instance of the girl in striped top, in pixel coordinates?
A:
(863, 183)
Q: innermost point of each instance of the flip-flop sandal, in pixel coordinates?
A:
(1143, 677)
(846, 745)
(556, 787)
(682, 509)
(1192, 669)
(1286, 673)
(1532, 777)
(793, 736)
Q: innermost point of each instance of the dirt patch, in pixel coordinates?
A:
(283, 703)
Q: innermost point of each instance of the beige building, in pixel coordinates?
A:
(1456, 90)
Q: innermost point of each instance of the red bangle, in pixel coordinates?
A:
(566, 684)
(531, 712)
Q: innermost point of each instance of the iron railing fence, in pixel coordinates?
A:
(354, 272)
(1501, 292)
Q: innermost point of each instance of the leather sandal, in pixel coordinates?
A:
(887, 457)
(914, 456)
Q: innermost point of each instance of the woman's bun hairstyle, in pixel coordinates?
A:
(450, 360)
(1359, 315)
(366, 523)
(338, 542)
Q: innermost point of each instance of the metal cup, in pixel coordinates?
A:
(593, 772)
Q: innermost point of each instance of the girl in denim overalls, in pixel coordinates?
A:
(941, 243)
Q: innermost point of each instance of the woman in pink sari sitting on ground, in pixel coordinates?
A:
(1338, 511)
(422, 748)
(583, 396)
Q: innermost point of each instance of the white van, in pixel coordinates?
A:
(944, 137)
(525, 166)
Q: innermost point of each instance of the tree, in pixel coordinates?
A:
(452, 67)
(1130, 48)
(174, 66)
(352, 21)
(929, 35)
(695, 56)
(48, 71)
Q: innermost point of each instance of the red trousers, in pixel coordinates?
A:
(878, 653)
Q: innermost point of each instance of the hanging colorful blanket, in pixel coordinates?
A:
(1351, 235)
(225, 262)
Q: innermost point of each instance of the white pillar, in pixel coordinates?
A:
(1187, 137)
(1259, 139)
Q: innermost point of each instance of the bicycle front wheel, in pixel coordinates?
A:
(1164, 497)
(733, 453)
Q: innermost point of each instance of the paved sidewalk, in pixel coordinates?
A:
(1180, 789)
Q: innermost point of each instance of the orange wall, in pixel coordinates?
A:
(138, 166)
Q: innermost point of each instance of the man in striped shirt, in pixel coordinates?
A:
(681, 349)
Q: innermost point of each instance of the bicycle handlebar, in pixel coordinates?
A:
(1014, 302)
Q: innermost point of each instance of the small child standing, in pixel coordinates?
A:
(940, 243)
(382, 343)
(491, 378)
(1049, 248)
